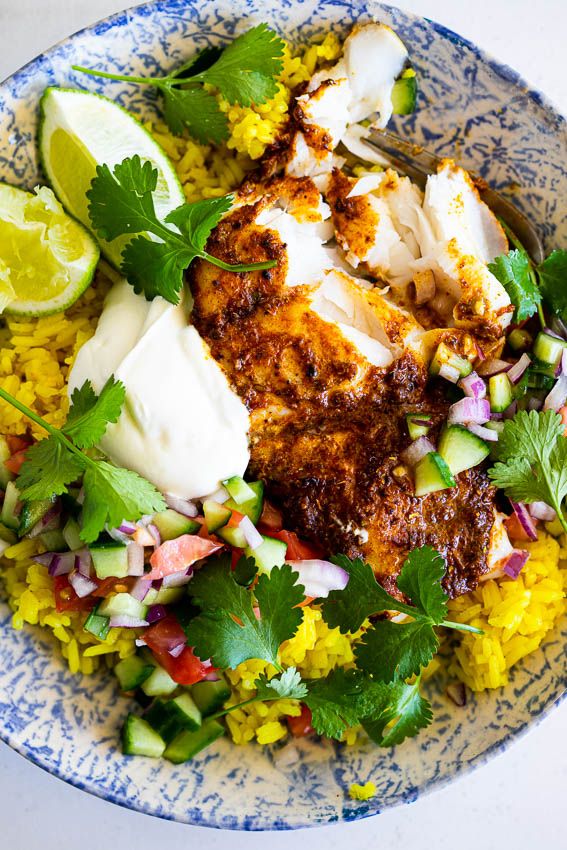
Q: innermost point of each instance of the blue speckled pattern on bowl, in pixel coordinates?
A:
(470, 107)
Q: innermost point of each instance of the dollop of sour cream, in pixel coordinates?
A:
(182, 426)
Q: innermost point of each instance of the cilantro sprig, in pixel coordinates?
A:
(121, 203)
(532, 460)
(393, 651)
(244, 72)
(112, 494)
(227, 629)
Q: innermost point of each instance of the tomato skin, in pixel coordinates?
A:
(271, 518)
(186, 669)
(66, 599)
(297, 550)
(17, 444)
(300, 726)
(14, 463)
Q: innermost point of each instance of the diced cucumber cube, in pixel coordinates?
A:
(432, 474)
(53, 540)
(163, 596)
(139, 739)
(8, 535)
(110, 558)
(97, 624)
(159, 683)
(233, 535)
(9, 516)
(271, 553)
(210, 696)
(32, 513)
(519, 339)
(461, 449)
(216, 515)
(188, 744)
(252, 507)
(171, 524)
(501, 392)
(122, 604)
(72, 534)
(238, 489)
(404, 93)
(170, 717)
(416, 428)
(132, 671)
(549, 349)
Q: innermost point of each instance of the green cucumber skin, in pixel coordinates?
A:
(139, 739)
(186, 745)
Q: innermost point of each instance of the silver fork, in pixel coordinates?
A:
(418, 163)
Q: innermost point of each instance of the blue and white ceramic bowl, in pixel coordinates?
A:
(470, 107)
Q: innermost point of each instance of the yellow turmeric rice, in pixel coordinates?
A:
(35, 356)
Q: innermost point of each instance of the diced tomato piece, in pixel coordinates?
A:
(167, 634)
(236, 555)
(176, 555)
(66, 599)
(300, 726)
(15, 462)
(235, 519)
(271, 518)
(17, 444)
(515, 529)
(114, 585)
(297, 550)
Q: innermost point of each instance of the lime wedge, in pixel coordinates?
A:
(47, 259)
(80, 130)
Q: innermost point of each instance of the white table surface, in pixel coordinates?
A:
(517, 801)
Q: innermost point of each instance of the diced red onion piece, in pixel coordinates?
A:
(475, 410)
(212, 677)
(49, 522)
(484, 433)
(140, 589)
(154, 531)
(417, 450)
(320, 577)
(135, 559)
(221, 496)
(540, 510)
(124, 621)
(118, 535)
(493, 367)
(480, 355)
(176, 651)
(127, 527)
(525, 519)
(515, 563)
(511, 410)
(535, 404)
(207, 663)
(558, 395)
(177, 579)
(62, 563)
(251, 534)
(182, 506)
(473, 386)
(518, 369)
(457, 693)
(559, 327)
(156, 613)
(450, 373)
(551, 332)
(45, 558)
(82, 585)
(83, 562)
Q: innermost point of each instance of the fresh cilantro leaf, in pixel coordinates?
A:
(121, 201)
(90, 414)
(47, 470)
(391, 651)
(121, 204)
(245, 571)
(420, 580)
(343, 699)
(514, 272)
(155, 268)
(198, 111)
(532, 459)
(287, 686)
(227, 630)
(246, 70)
(347, 609)
(406, 713)
(112, 495)
(552, 275)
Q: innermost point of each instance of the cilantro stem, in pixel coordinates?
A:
(160, 82)
(461, 627)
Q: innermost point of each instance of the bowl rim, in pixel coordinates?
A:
(364, 811)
